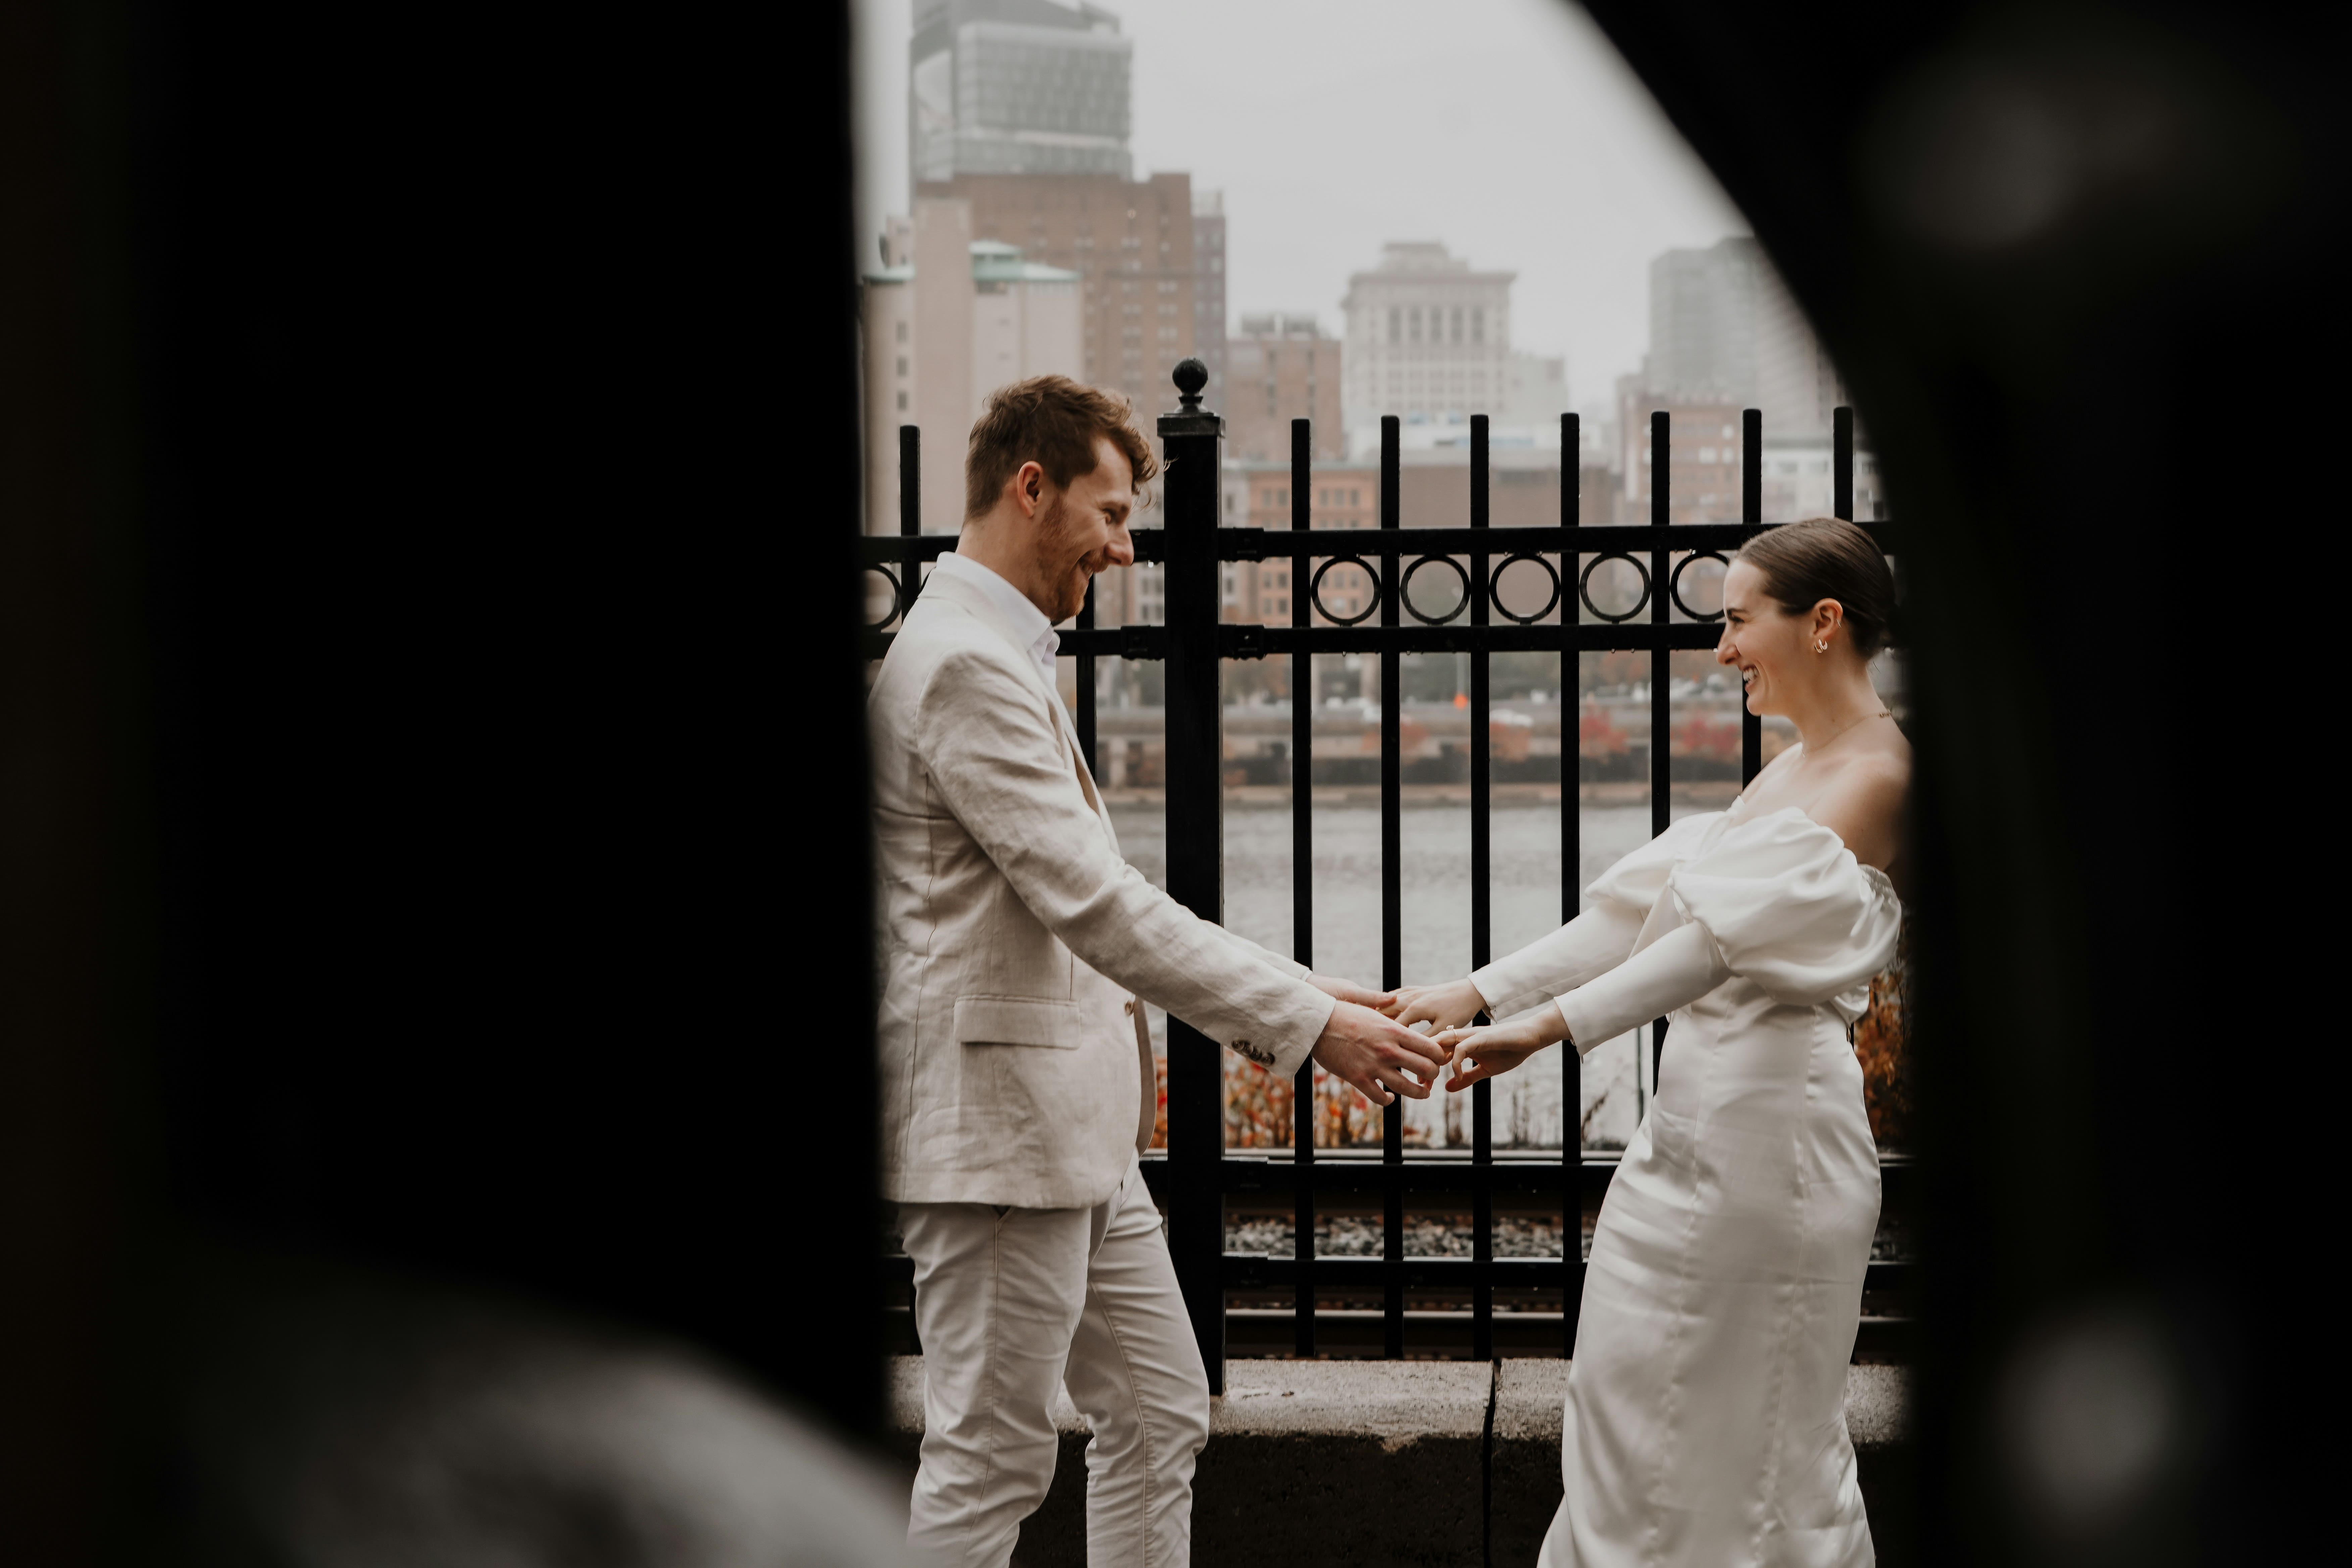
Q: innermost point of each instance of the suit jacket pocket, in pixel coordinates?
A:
(1019, 1021)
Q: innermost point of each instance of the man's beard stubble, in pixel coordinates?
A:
(1057, 566)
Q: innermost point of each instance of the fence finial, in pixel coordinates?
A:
(1191, 376)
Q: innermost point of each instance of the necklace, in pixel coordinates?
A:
(1881, 713)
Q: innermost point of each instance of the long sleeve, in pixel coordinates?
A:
(1591, 944)
(1266, 955)
(1778, 901)
(1010, 785)
(1597, 941)
(1673, 972)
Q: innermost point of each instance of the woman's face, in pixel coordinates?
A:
(1771, 650)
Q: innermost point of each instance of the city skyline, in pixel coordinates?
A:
(1580, 191)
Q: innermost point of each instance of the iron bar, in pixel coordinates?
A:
(910, 510)
(1482, 914)
(1302, 880)
(1248, 641)
(1442, 1176)
(1661, 709)
(1571, 872)
(1083, 657)
(1842, 463)
(1194, 770)
(1391, 870)
(1276, 544)
(1751, 518)
(1251, 1271)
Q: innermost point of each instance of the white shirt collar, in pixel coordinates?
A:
(1026, 618)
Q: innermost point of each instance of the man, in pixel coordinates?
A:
(1017, 1084)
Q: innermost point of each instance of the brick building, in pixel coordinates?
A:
(945, 320)
(1703, 472)
(1428, 337)
(1280, 368)
(1131, 244)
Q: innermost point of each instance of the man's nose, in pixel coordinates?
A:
(1121, 547)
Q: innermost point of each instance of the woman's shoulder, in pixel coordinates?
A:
(1863, 805)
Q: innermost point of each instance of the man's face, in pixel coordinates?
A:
(1081, 530)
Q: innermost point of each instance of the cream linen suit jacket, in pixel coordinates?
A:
(1013, 931)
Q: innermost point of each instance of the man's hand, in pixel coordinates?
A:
(1499, 1047)
(1378, 1056)
(1448, 1006)
(1349, 991)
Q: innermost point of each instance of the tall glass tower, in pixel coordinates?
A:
(1018, 87)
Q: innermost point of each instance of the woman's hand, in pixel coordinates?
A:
(1449, 1007)
(1499, 1047)
(1349, 991)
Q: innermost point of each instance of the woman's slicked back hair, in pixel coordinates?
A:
(1828, 558)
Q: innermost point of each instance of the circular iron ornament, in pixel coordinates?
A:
(1674, 583)
(1315, 591)
(898, 598)
(1584, 586)
(1495, 589)
(1404, 590)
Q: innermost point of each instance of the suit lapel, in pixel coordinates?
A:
(1085, 768)
(978, 604)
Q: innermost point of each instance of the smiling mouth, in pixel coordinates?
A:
(1748, 675)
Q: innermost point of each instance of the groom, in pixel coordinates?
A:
(1016, 1074)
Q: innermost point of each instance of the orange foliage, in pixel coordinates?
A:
(1260, 1111)
(1881, 1041)
(1597, 735)
(1703, 737)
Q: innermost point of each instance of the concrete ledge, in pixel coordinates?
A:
(1379, 1462)
(1322, 1462)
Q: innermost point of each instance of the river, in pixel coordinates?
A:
(1437, 926)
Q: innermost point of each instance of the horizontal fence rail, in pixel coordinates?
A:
(1198, 1174)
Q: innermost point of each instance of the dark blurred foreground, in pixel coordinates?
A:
(418, 434)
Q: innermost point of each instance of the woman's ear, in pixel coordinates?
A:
(1827, 614)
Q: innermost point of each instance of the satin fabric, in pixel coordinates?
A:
(1704, 1421)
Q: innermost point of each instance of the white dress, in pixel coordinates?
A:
(1705, 1416)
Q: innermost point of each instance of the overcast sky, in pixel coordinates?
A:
(1508, 128)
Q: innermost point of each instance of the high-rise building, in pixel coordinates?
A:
(1796, 386)
(1283, 367)
(1017, 87)
(1703, 308)
(1535, 395)
(1427, 338)
(947, 320)
(1209, 291)
(1703, 471)
(1725, 329)
(1130, 243)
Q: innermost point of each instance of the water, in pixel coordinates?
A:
(1435, 928)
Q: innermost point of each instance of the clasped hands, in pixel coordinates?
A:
(1372, 1043)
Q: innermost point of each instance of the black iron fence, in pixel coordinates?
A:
(1198, 1173)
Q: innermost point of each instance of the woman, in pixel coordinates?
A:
(1706, 1405)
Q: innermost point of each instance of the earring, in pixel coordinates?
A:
(1819, 647)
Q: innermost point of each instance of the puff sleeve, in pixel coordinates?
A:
(1601, 938)
(1780, 901)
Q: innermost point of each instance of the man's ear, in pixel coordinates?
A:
(1028, 488)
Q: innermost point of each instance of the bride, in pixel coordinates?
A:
(1705, 1419)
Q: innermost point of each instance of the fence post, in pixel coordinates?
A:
(1190, 443)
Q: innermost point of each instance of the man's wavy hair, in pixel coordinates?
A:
(1054, 422)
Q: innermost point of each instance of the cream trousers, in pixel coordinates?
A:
(1010, 1306)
